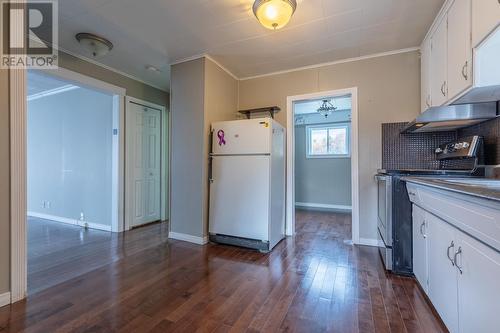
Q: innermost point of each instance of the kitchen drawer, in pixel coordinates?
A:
(479, 218)
(413, 193)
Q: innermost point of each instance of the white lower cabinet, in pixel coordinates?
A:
(420, 250)
(460, 275)
(478, 286)
(442, 271)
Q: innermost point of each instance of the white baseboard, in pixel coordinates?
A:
(369, 242)
(4, 299)
(188, 238)
(323, 206)
(66, 220)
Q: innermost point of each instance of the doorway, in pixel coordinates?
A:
(147, 166)
(322, 160)
(72, 167)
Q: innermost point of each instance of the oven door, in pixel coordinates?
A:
(384, 218)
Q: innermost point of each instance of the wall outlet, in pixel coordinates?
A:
(48, 204)
(82, 217)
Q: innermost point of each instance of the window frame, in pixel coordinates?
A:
(343, 125)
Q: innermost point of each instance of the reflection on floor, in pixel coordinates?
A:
(58, 252)
(313, 282)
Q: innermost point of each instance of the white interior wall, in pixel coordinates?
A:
(70, 156)
(321, 182)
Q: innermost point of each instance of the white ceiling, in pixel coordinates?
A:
(160, 32)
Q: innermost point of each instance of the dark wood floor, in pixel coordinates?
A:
(313, 282)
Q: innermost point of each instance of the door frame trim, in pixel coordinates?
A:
(165, 161)
(290, 157)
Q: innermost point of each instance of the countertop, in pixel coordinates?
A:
(478, 187)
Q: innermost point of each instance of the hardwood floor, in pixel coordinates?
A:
(313, 282)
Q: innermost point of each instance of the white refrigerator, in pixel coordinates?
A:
(247, 183)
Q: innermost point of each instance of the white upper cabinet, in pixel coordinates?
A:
(426, 75)
(459, 47)
(447, 70)
(439, 68)
(485, 18)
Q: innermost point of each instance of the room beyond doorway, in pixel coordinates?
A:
(323, 154)
(323, 126)
(72, 167)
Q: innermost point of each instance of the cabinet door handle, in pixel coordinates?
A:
(422, 229)
(459, 252)
(443, 91)
(465, 70)
(427, 100)
(452, 245)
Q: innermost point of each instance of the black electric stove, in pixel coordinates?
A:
(395, 208)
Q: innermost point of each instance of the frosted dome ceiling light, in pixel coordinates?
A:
(274, 14)
(96, 45)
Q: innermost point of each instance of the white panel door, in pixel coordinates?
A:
(144, 147)
(420, 257)
(439, 63)
(252, 136)
(442, 272)
(239, 196)
(478, 286)
(459, 47)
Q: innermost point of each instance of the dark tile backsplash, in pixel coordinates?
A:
(412, 150)
(490, 131)
(416, 150)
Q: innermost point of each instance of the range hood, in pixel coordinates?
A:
(478, 104)
(453, 117)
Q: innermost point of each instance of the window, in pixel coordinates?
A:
(328, 141)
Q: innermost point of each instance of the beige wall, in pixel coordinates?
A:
(388, 91)
(134, 88)
(4, 183)
(201, 94)
(221, 103)
(187, 115)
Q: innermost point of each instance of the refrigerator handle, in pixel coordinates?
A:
(210, 158)
(210, 174)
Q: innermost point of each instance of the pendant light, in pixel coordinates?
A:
(274, 14)
(326, 108)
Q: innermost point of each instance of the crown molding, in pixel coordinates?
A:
(207, 56)
(94, 62)
(343, 61)
(369, 56)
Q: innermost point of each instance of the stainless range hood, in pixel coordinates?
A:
(453, 117)
(478, 104)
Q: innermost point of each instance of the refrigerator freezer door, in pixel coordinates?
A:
(239, 196)
(252, 136)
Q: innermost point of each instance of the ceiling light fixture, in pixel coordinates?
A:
(326, 108)
(152, 68)
(98, 46)
(274, 14)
